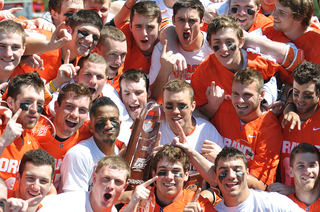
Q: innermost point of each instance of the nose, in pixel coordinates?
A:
(9, 51)
(169, 175)
(110, 185)
(118, 59)
(75, 113)
(232, 174)
(144, 31)
(89, 38)
(186, 25)
(133, 97)
(241, 11)
(93, 80)
(108, 124)
(33, 107)
(175, 110)
(36, 185)
(301, 97)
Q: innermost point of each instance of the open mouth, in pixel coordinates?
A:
(186, 36)
(107, 196)
(242, 20)
(84, 46)
(230, 185)
(113, 68)
(134, 107)
(242, 107)
(71, 124)
(34, 194)
(92, 90)
(144, 41)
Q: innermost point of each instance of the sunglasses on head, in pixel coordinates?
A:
(84, 34)
(234, 10)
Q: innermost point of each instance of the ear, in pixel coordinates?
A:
(262, 94)
(10, 102)
(56, 106)
(90, 126)
(173, 20)
(241, 43)
(248, 174)
(291, 171)
(54, 15)
(193, 106)
(149, 93)
(69, 30)
(18, 179)
(153, 173)
(76, 78)
(94, 177)
(202, 22)
(186, 176)
(125, 187)
(130, 25)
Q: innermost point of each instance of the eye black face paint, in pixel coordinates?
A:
(250, 12)
(222, 176)
(115, 125)
(183, 107)
(2, 204)
(25, 106)
(216, 48)
(84, 34)
(232, 47)
(234, 10)
(308, 97)
(240, 174)
(99, 126)
(164, 174)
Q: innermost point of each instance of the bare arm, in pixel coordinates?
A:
(124, 13)
(255, 183)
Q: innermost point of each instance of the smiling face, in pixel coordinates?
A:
(245, 11)
(231, 177)
(68, 8)
(145, 32)
(305, 171)
(11, 51)
(134, 96)
(105, 125)
(94, 76)
(246, 100)
(226, 47)
(170, 180)
(187, 23)
(283, 19)
(108, 186)
(101, 9)
(35, 181)
(178, 108)
(71, 114)
(114, 52)
(84, 38)
(34, 98)
(305, 98)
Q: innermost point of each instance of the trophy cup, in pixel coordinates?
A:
(142, 142)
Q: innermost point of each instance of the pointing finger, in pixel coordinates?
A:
(164, 48)
(66, 59)
(158, 140)
(149, 182)
(196, 196)
(16, 115)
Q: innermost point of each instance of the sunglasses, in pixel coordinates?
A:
(234, 10)
(83, 34)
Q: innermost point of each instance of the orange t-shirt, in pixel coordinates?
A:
(259, 140)
(115, 81)
(309, 43)
(179, 204)
(212, 70)
(56, 148)
(266, 25)
(314, 207)
(12, 155)
(310, 133)
(52, 61)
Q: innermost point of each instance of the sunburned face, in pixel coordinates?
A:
(68, 8)
(305, 98)
(305, 171)
(283, 20)
(145, 32)
(108, 186)
(31, 101)
(101, 9)
(231, 177)
(35, 181)
(226, 47)
(170, 180)
(245, 11)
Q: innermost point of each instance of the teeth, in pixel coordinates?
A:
(84, 46)
(134, 107)
(176, 119)
(34, 194)
(241, 106)
(168, 184)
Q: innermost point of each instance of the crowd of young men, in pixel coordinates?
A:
(239, 97)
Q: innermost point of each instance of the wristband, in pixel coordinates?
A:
(127, 6)
(288, 103)
(51, 85)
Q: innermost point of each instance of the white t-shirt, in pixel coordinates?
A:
(70, 202)
(262, 201)
(204, 130)
(77, 166)
(193, 58)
